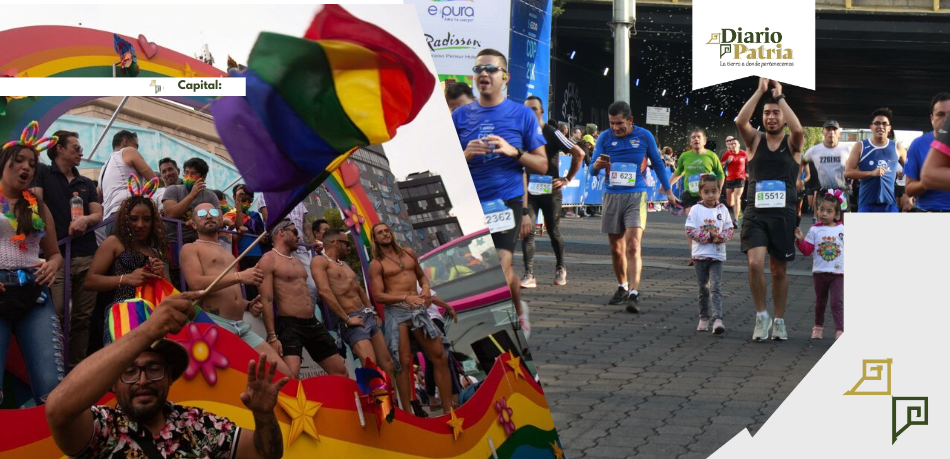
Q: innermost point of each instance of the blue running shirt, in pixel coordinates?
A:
(632, 149)
(495, 175)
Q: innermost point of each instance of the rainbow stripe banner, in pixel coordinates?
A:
(311, 101)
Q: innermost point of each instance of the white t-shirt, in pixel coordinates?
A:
(830, 164)
(704, 219)
(828, 256)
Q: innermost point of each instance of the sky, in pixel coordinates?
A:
(428, 143)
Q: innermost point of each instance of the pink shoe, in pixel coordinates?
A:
(838, 334)
(718, 327)
(703, 325)
(817, 331)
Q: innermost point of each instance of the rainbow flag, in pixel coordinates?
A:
(126, 315)
(311, 101)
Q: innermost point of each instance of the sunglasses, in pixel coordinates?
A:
(77, 148)
(203, 213)
(344, 242)
(491, 69)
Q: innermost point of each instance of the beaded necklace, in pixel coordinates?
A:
(38, 223)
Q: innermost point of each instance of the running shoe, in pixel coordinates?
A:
(528, 281)
(838, 333)
(633, 303)
(778, 332)
(762, 326)
(560, 276)
(718, 328)
(703, 324)
(619, 296)
(817, 331)
(523, 320)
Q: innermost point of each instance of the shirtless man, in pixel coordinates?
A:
(394, 277)
(285, 283)
(202, 261)
(338, 287)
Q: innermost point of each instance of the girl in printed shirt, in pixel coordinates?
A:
(825, 242)
(709, 227)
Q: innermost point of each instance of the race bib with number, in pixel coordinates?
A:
(769, 194)
(623, 174)
(693, 185)
(498, 216)
(540, 184)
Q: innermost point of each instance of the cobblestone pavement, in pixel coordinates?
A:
(649, 385)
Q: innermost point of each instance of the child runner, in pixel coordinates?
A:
(709, 226)
(826, 240)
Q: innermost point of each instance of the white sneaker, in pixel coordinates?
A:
(762, 327)
(524, 321)
(778, 332)
(528, 281)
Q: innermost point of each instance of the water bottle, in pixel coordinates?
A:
(75, 206)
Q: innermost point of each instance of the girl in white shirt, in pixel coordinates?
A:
(825, 242)
(709, 226)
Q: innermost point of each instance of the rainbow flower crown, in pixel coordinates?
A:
(28, 139)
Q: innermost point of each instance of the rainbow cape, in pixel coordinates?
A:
(311, 101)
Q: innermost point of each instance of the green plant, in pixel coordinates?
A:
(558, 7)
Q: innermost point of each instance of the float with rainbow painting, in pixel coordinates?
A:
(313, 134)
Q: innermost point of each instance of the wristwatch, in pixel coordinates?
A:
(520, 152)
(524, 212)
(779, 97)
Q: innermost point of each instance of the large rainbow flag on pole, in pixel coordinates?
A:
(311, 101)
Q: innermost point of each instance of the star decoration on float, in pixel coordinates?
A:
(302, 413)
(188, 72)
(515, 364)
(456, 424)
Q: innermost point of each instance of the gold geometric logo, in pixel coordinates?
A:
(873, 370)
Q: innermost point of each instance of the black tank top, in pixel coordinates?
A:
(772, 165)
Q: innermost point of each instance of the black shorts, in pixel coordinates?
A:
(735, 184)
(898, 191)
(296, 334)
(508, 240)
(773, 229)
(810, 191)
(688, 200)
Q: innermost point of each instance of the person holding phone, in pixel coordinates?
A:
(623, 151)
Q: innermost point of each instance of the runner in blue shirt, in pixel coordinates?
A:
(623, 151)
(927, 200)
(874, 162)
(501, 139)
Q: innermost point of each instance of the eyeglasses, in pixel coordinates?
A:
(881, 123)
(153, 372)
(491, 69)
(203, 213)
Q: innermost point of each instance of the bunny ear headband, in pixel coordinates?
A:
(29, 138)
(837, 194)
(136, 188)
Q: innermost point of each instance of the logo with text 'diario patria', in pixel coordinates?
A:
(758, 48)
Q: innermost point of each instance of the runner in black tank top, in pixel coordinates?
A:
(772, 165)
(769, 219)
